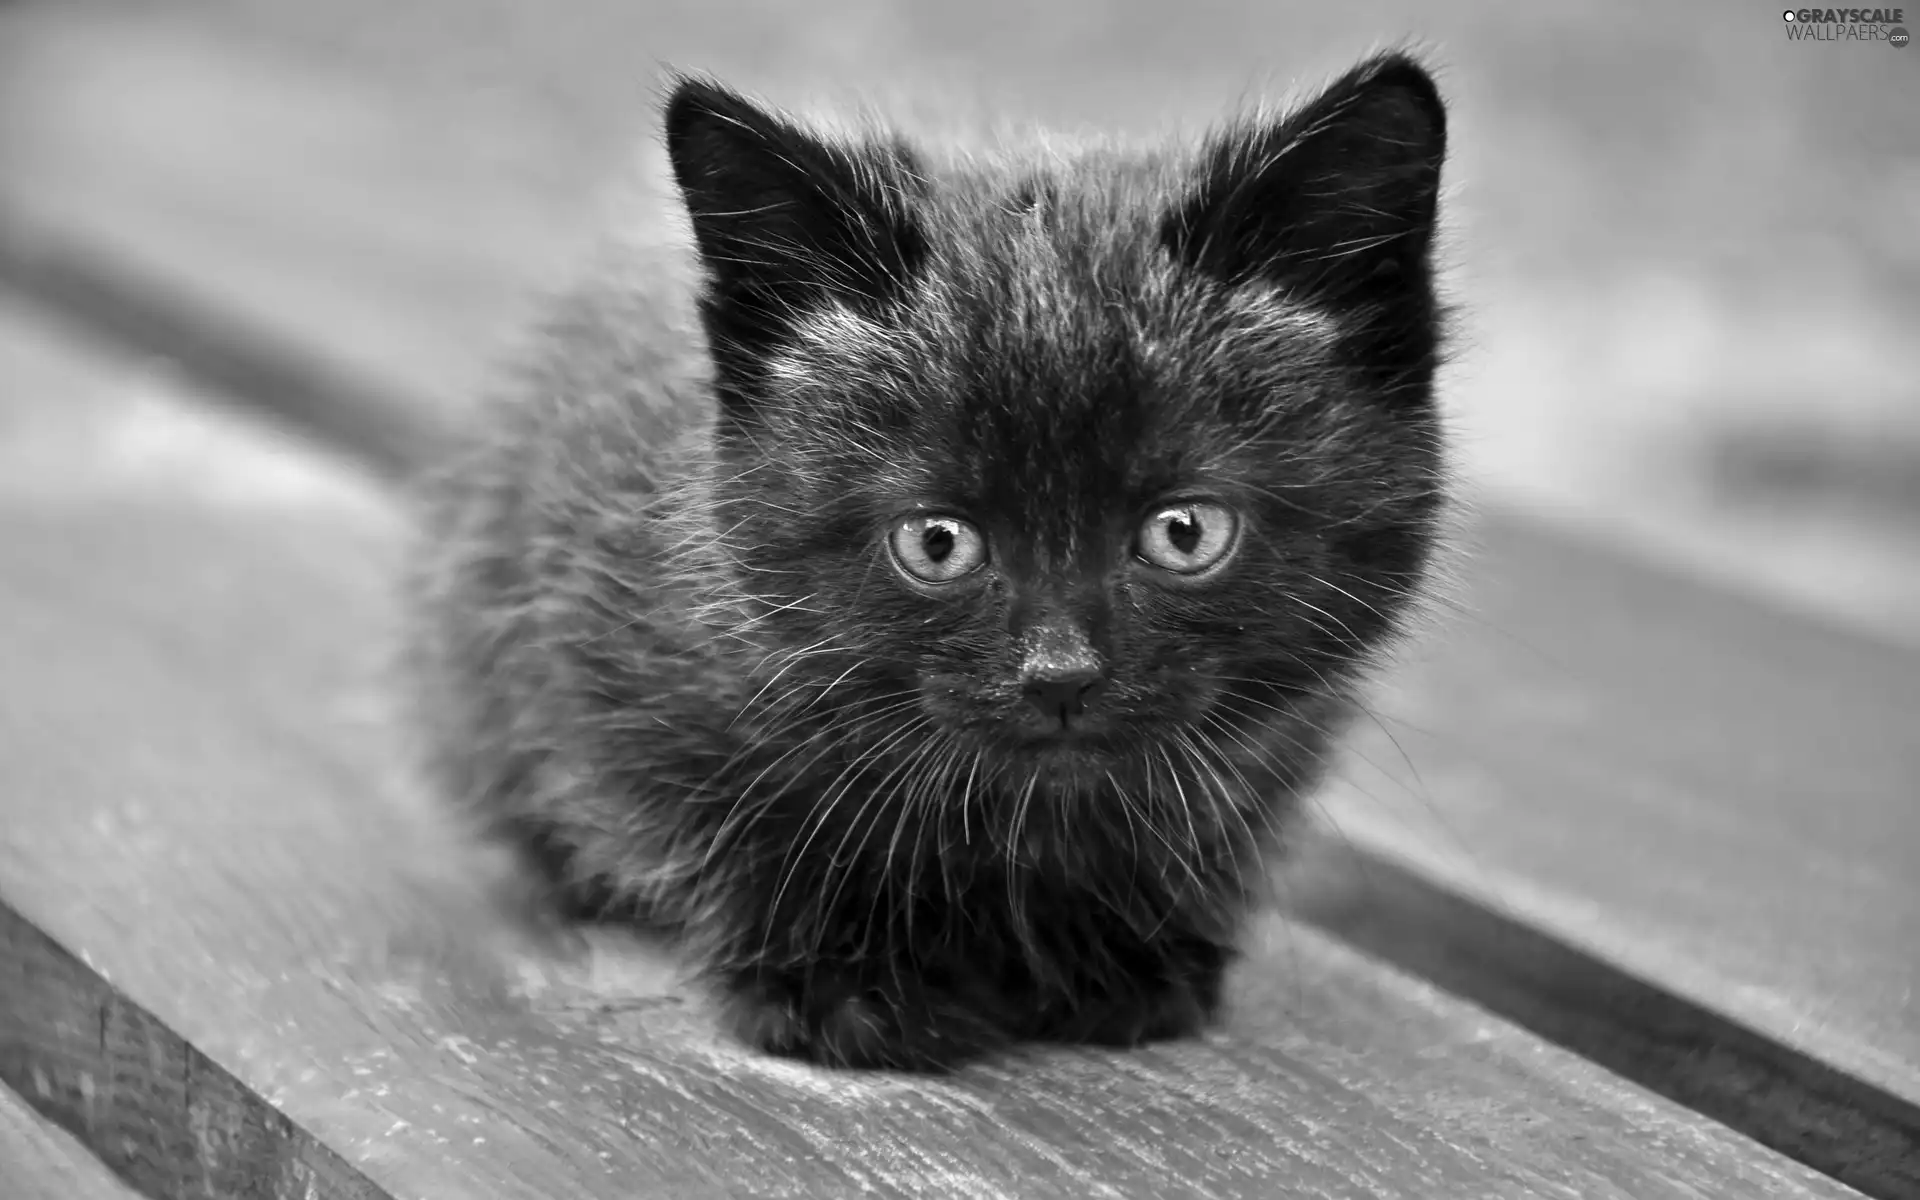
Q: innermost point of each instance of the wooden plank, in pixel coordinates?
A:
(472, 211)
(1719, 796)
(156, 1112)
(200, 804)
(1784, 1099)
(39, 1161)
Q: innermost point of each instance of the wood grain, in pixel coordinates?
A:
(1783, 1098)
(201, 805)
(38, 1161)
(158, 1114)
(1717, 795)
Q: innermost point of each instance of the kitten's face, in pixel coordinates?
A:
(1094, 519)
(1084, 479)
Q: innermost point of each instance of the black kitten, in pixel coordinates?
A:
(938, 636)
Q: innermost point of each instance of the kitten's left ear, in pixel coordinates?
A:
(785, 220)
(1338, 196)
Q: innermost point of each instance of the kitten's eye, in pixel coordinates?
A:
(1188, 538)
(937, 549)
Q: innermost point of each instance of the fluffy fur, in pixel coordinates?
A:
(671, 644)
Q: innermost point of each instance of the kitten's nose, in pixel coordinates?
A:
(1063, 694)
(1061, 670)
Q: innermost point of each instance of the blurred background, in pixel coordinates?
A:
(1686, 245)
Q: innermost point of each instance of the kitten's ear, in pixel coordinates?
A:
(785, 220)
(1338, 196)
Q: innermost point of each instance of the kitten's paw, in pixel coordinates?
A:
(1176, 1011)
(838, 1019)
(1162, 1010)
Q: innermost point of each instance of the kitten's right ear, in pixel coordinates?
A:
(1339, 199)
(785, 220)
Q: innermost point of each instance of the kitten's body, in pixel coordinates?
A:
(673, 644)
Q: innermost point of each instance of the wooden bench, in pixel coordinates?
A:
(1617, 897)
(48, 1164)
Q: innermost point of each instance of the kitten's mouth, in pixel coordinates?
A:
(1067, 741)
(1083, 733)
(1070, 755)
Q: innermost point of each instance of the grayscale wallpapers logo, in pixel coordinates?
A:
(1848, 25)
